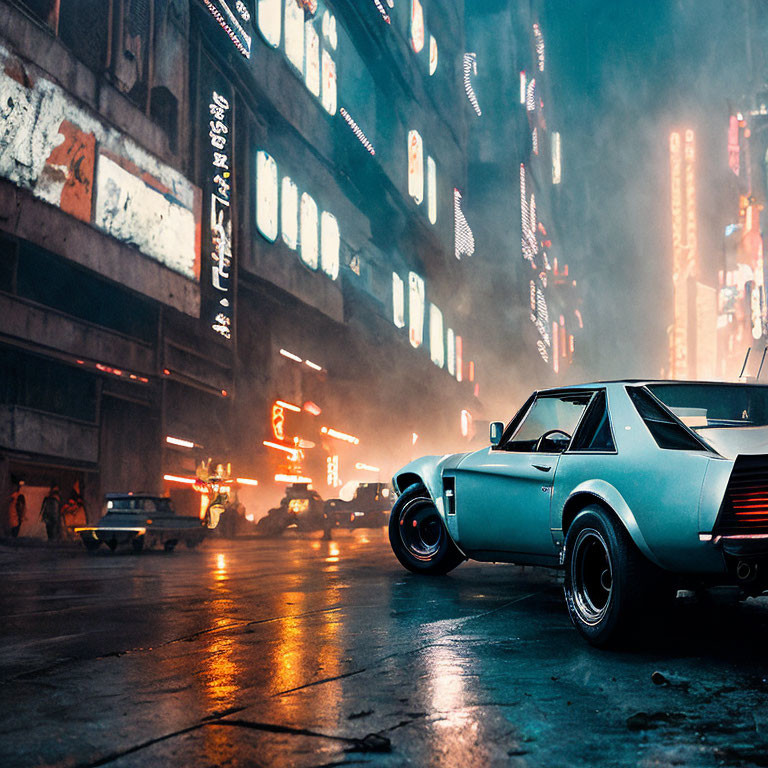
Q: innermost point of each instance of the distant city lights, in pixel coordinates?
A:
(366, 467)
(280, 478)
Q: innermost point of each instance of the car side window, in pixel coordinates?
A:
(665, 429)
(557, 414)
(594, 433)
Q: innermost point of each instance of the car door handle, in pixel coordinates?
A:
(542, 467)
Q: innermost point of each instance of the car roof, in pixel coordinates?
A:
(642, 382)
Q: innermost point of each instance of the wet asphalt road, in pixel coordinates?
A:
(289, 653)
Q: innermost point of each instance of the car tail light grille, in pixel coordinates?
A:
(745, 504)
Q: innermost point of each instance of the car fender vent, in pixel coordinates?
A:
(744, 510)
(449, 491)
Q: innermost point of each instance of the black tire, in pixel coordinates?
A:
(418, 536)
(610, 586)
(92, 544)
(170, 545)
(138, 544)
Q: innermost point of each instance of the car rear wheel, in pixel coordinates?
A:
(418, 536)
(609, 585)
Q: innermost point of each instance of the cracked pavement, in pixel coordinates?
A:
(302, 652)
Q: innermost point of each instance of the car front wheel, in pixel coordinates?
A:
(609, 585)
(418, 536)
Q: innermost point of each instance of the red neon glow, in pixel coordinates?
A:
(312, 408)
(278, 422)
(459, 359)
(471, 370)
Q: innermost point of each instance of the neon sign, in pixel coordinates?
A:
(470, 68)
(278, 422)
(415, 166)
(416, 300)
(218, 182)
(398, 301)
(357, 130)
(232, 23)
(432, 55)
(465, 239)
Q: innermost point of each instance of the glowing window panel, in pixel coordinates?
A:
(417, 26)
(329, 245)
(289, 217)
(459, 358)
(436, 341)
(415, 166)
(313, 366)
(340, 435)
(312, 58)
(270, 12)
(450, 358)
(294, 35)
(291, 356)
(432, 55)
(557, 169)
(332, 471)
(470, 68)
(398, 300)
(432, 190)
(329, 29)
(308, 241)
(523, 84)
(416, 293)
(329, 83)
(466, 423)
(179, 441)
(266, 195)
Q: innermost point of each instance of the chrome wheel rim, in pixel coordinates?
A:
(421, 529)
(591, 575)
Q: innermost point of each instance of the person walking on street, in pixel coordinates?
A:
(50, 513)
(17, 509)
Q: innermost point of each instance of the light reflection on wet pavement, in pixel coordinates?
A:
(292, 652)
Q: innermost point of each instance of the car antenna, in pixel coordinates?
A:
(745, 362)
(762, 360)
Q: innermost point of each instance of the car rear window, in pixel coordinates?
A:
(595, 434)
(665, 429)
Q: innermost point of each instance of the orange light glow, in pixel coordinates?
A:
(178, 479)
(340, 435)
(288, 406)
(292, 479)
(292, 451)
(247, 481)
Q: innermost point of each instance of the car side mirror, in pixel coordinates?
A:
(497, 430)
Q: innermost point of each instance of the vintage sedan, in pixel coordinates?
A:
(633, 488)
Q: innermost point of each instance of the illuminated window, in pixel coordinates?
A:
(290, 213)
(312, 60)
(459, 358)
(416, 294)
(266, 195)
(432, 55)
(398, 300)
(308, 249)
(417, 25)
(436, 342)
(415, 167)
(557, 170)
(294, 34)
(329, 29)
(329, 245)
(450, 359)
(269, 21)
(329, 83)
(432, 190)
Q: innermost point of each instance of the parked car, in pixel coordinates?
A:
(302, 508)
(368, 508)
(141, 520)
(632, 488)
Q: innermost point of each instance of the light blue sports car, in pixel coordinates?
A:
(634, 488)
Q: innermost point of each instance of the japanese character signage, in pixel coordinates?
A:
(218, 271)
(235, 19)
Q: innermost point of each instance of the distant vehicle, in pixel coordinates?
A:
(302, 508)
(369, 507)
(141, 520)
(633, 488)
